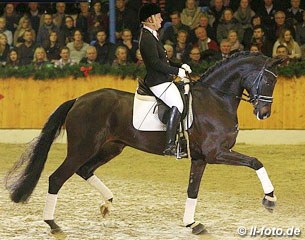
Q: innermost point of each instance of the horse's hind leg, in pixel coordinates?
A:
(107, 152)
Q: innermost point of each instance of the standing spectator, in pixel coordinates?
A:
(34, 15)
(4, 48)
(267, 11)
(216, 10)
(191, 14)
(125, 18)
(236, 46)
(171, 32)
(40, 58)
(194, 57)
(83, 20)
(11, 17)
(24, 24)
(295, 13)
(13, 59)
(4, 30)
(52, 47)
(120, 56)
(244, 14)
(286, 39)
(130, 44)
(59, 16)
(99, 19)
(173, 61)
(65, 59)
(91, 56)
(78, 47)
(261, 41)
(66, 33)
(105, 49)
(26, 49)
(228, 23)
(204, 42)
(45, 29)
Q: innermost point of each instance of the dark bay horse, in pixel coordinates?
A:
(99, 126)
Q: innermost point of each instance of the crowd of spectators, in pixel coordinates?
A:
(193, 31)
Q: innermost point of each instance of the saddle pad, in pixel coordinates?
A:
(145, 114)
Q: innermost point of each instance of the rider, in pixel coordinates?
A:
(159, 73)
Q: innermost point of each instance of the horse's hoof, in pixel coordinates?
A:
(106, 208)
(197, 228)
(56, 230)
(269, 203)
(54, 227)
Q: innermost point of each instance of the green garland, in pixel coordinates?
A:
(132, 70)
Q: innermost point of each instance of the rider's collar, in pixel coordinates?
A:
(153, 32)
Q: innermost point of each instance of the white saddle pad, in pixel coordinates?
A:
(145, 119)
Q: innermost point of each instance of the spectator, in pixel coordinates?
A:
(236, 46)
(91, 56)
(171, 32)
(125, 18)
(45, 29)
(131, 45)
(65, 59)
(263, 43)
(225, 50)
(99, 20)
(204, 22)
(24, 24)
(280, 24)
(204, 42)
(66, 33)
(40, 58)
(13, 59)
(191, 14)
(267, 11)
(283, 52)
(300, 35)
(52, 47)
(181, 48)
(78, 47)
(4, 30)
(139, 61)
(4, 49)
(59, 16)
(83, 20)
(244, 14)
(227, 23)
(105, 49)
(11, 17)
(255, 21)
(286, 39)
(120, 56)
(27, 48)
(34, 15)
(295, 13)
(173, 61)
(254, 48)
(194, 57)
(217, 10)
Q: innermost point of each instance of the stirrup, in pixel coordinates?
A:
(170, 150)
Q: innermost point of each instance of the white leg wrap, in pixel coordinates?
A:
(266, 183)
(95, 182)
(49, 209)
(189, 212)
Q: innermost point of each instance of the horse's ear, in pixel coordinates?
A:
(273, 62)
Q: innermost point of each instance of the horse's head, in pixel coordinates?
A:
(260, 88)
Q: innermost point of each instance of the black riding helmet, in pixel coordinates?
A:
(148, 10)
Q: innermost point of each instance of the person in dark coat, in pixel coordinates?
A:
(159, 71)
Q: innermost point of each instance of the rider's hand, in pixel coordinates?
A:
(187, 68)
(182, 73)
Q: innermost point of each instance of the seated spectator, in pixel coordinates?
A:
(120, 56)
(130, 44)
(204, 42)
(66, 33)
(217, 10)
(83, 20)
(248, 34)
(191, 14)
(91, 56)
(12, 18)
(295, 13)
(227, 23)
(105, 49)
(282, 52)
(286, 39)
(52, 47)
(65, 59)
(4, 30)
(59, 16)
(181, 48)
(45, 28)
(98, 19)
(27, 48)
(34, 15)
(204, 22)
(171, 32)
(78, 47)
(254, 48)
(264, 44)
(13, 59)
(236, 46)
(244, 14)
(4, 49)
(24, 24)
(139, 61)
(173, 61)
(194, 57)
(267, 12)
(280, 24)
(225, 50)
(40, 58)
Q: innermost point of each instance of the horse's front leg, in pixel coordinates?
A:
(234, 158)
(196, 172)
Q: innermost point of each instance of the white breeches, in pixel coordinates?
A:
(169, 94)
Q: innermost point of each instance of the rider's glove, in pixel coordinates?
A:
(187, 68)
(182, 73)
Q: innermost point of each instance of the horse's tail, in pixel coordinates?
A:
(22, 179)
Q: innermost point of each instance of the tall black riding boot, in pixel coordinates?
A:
(171, 130)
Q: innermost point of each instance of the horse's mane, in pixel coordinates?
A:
(231, 58)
